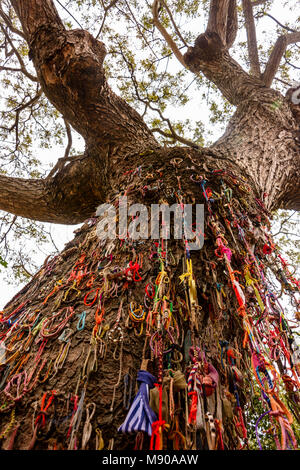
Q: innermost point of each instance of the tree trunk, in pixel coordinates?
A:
(94, 361)
(199, 321)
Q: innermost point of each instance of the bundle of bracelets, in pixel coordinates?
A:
(203, 332)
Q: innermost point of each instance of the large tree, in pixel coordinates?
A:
(205, 323)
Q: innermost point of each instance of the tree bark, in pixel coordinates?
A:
(68, 198)
(251, 38)
(262, 135)
(70, 69)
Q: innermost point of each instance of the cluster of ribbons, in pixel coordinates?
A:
(209, 325)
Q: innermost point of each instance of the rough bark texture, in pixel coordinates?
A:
(70, 68)
(89, 352)
(263, 125)
(90, 365)
(52, 199)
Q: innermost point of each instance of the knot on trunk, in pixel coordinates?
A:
(208, 47)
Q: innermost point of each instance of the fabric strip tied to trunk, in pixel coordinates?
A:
(140, 416)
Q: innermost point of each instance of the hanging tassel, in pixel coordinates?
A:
(157, 435)
(219, 430)
(140, 416)
(139, 441)
(194, 407)
(11, 441)
(194, 385)
(158, 426)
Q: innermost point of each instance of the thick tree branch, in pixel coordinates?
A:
(70, 197)
(217, 19)
(276, 55)
(210, 54)
(69, 65)
(251, 38)
(222, 21)
(232, 24)
(35, 15)
(290, 199)
(209, 57)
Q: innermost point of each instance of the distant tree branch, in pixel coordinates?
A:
(3, 238)
(283, 222)
(171, 43)
(291, 234)
(9, 69)
(22, 265)
(18, 111)
(276, 55)
(17, 54)
(52, 240)
(290, 64)
(69, 13)
(139, 27)
(172, 134)
(251, 38)
(282, 81)
(175, 137)
(258, 3)
(9, 24)
(280, 24)
(173, 22)
(69, 197)
(106, 10)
